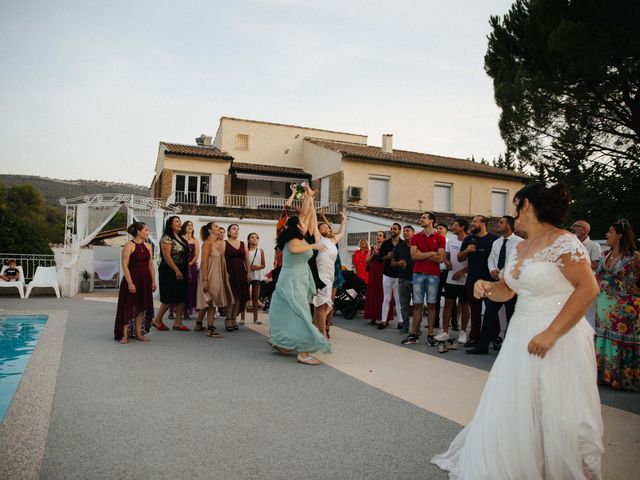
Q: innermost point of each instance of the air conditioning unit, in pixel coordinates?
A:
(354, 193)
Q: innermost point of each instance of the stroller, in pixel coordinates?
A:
(351, 296)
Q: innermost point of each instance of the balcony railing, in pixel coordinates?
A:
(239, 201)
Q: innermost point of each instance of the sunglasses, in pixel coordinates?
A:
(624, 223)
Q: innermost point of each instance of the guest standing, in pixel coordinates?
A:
(390, 276)
(360, 260)
(403, 262)
(373, 303)
(255, 259)
(173, 274)
(618, 310)
(582, 229)
(194, 253)
(290, 320)
(214, 290)
(236, 257)
(135, 300)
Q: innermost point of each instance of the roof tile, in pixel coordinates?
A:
(195, 151)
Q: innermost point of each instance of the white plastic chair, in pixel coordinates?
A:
(44, 277)
(19, 284)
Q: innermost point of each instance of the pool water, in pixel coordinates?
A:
(18, 338)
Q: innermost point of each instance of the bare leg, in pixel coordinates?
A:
(255, 295)
(431, 308)
(125, 335)
(417, 318)
(322, 318)
(139, 336)
(161, 311)
(179, 311)
(333, 309)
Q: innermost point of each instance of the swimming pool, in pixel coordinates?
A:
(18, 338)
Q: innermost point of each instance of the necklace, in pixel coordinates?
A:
(611, 263)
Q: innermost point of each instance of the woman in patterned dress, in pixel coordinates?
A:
(135, 300)
(618, 310)
(194, 253)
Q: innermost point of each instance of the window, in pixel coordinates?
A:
(324, 191)
(193, 189)
(242, 141)
(378, 194)
(499, 202)
(442, 200)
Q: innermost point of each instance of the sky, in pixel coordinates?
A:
(89, 89)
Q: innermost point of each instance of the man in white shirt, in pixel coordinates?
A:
(454, 287)
(582, 229)
(501, 250)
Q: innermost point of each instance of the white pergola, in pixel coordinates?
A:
(86, 216)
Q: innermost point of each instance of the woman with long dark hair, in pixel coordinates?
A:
(618, 310)
(187, 232)
(290, 320)
(238, 270)
(375, 293)
(173, 274)
(135, 300)
(542, 387)
(255, 259)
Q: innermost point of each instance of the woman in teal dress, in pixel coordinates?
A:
(290, 320)
(618, 310)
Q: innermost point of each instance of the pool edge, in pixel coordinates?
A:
(24, 430)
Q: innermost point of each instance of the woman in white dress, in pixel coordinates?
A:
(539, 414)
(326, 262)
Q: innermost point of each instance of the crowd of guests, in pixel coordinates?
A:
(407, 274)
(447, 261)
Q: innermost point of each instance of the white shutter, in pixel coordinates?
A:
(442, 198)
(378, 194)
(498, 203)
(324, 191)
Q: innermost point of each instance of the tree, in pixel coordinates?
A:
(566, 75)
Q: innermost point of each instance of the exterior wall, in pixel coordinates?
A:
(272, 144)
(412, 188)
(165, 184)
(197, 165)
(320, 162)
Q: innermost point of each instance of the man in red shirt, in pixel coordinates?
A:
(427, 251)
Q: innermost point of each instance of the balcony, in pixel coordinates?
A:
(238, 201)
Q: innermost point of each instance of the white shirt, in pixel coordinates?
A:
(512, 241)
(453, 248)
(593, 248)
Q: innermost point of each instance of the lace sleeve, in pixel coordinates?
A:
(567, 250)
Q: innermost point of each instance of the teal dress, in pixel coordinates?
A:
(289, 315)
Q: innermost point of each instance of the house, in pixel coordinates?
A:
(242, 175)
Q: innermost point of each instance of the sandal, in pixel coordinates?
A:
(228, 326)
(211, 332)
(198, 327)
(280, 350)
(308, 360)
(162, 327)
(181, 328)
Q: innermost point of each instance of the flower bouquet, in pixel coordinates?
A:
(299, 189)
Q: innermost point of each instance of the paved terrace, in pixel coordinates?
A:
(185, 406)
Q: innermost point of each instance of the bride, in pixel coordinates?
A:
(539, 414)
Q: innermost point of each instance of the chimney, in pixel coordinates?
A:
(387, 143)
(204, 141)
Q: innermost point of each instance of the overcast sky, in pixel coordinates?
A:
(88, 89)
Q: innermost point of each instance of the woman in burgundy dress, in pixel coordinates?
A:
(375, 294)
(135, 301)
(237, 268)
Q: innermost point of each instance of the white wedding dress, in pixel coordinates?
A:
(537, 418)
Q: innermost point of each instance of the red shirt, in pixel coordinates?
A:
(424, 243)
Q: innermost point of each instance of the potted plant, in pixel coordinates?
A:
(85, 283)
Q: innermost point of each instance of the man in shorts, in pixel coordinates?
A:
(427, 251)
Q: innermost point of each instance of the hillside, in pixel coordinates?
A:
(52, 189)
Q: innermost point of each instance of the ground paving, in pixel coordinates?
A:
(186, 406)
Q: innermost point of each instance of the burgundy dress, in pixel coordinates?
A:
(375, 294)
(131, 304)
(237, 270)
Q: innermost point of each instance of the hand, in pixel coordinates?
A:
(542, 343)
(132, 289)
(249, 277)
(179, 276)
(457, 275)
(482, 289)
(403, 264)
(471, 248)
(495, 274)
(319, 247)
(343, 214)
(153, 286)
(292, 187)
(205, 286)
(321, 210)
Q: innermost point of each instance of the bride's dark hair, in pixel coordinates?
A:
(551, 204)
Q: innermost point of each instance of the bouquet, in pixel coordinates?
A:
(299, 189)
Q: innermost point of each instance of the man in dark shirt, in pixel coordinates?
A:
(390, 275)
(476, 248)
(403, 262)
(11, 273)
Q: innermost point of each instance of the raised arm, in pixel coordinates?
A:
(343, 227)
